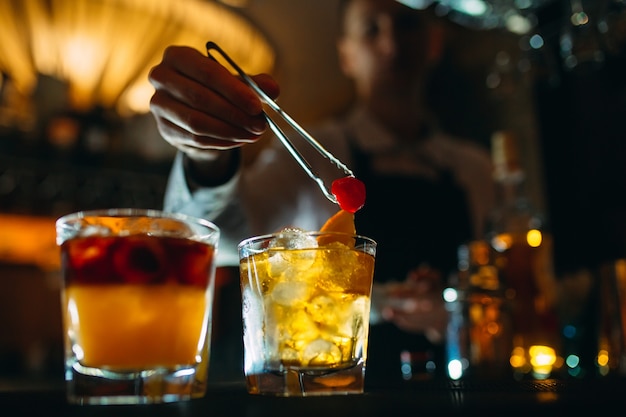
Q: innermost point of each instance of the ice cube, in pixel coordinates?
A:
(341, 269)
(288, 355)
(283, 261)
(321, 309)
(290, 292)
(321, 352)
(296, 329)
(293, 238)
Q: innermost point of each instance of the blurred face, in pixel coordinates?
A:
(386, 47)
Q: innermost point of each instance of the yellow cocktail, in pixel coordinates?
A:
(306, 303)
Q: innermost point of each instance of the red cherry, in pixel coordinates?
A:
(140, 259)
(87, 260)
(350, 193)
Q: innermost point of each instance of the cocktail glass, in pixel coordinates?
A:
(306, 305)
(137, 295)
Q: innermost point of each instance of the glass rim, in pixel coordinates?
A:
(132, 212)
(66, 220)
(267, 236)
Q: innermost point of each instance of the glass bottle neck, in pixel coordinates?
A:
(510, 189)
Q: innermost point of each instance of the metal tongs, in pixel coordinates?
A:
(278, 132)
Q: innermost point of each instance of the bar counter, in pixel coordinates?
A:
(597, 397)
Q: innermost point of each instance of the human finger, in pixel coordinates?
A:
(196, 124)
(199, 83)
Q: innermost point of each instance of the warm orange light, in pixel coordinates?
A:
(542, 355)
(29, 240)
(542, 359)
(603, 361)
(534, 238)
(493, 328)
(603, 358)
(502, 242)
(104, 49)
(518, 358)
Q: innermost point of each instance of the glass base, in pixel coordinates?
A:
(86, 385)
(296, 382)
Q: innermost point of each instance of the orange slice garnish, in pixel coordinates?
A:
(340, 222)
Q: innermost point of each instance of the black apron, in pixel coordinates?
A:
(414, 221)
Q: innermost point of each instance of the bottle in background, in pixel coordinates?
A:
(479, 330)
(522, 249)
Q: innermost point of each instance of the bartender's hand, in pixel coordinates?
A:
(201, 108)
(414, 305)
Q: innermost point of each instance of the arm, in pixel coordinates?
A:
(208, 115)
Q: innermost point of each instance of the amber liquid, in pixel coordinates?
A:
(306, 316)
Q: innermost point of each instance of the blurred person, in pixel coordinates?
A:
(427, 192)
